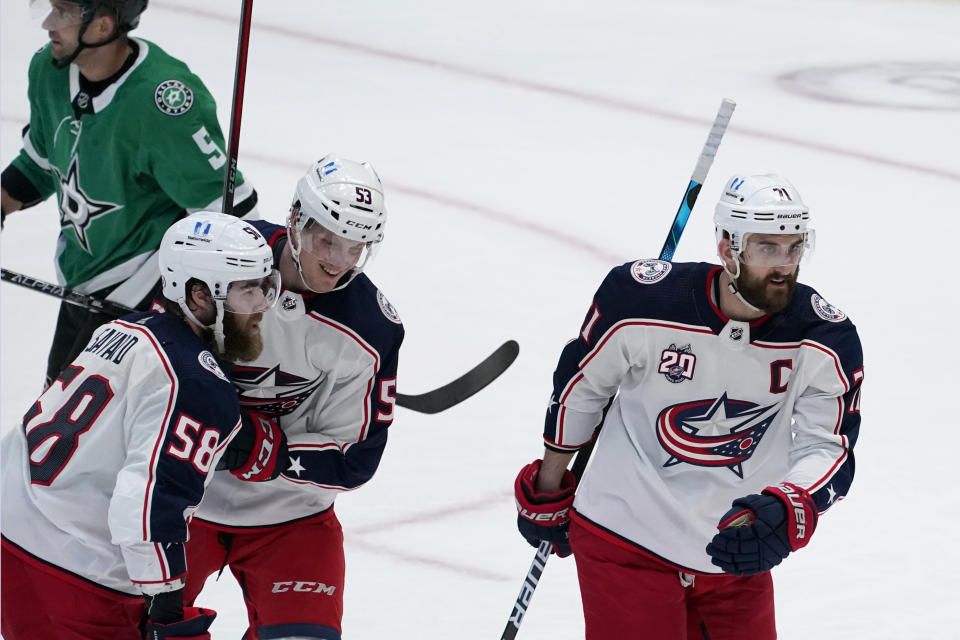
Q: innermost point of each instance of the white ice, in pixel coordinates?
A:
(526, 147)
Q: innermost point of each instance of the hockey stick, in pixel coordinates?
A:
(707, 154)
(236, 111)
(434, 401)
(67, 295)
(466, 385)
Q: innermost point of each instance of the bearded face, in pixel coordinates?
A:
(242, 340)
(767, 289)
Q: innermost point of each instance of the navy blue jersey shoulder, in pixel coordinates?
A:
(205, 391)
(810, 317)
(653, 289)
(361, 307)
(273, 233)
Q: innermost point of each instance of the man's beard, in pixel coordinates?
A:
(241, 343)
(756, 290)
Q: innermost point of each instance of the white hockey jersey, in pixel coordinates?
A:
(328, 373)
(108, 465)
(698, 410)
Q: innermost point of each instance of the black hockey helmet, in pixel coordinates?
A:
(126, 12)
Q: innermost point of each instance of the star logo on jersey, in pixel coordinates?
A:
(295, 467)
(77, 209)
(272, 391)
(715, 432)
(173, 97)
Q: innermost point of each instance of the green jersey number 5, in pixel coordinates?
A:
(215, 155)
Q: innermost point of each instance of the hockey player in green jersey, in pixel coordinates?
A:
(127, 139)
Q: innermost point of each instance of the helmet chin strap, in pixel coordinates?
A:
(63, 63)
(732, 286)
(216, 327)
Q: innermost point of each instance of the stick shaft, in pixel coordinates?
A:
(236, 111)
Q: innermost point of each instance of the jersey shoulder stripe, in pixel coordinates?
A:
(651, 290)
(810, 319)
(204, 383)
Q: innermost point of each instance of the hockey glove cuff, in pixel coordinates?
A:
(195, 625)
(544, 516)
(759, 531)
(259, 451)
(168, 619)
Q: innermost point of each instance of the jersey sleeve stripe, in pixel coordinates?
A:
(643, 323)
(376, 365)
(32, 153)
(816, 486)
(151, 480)
(813, 345)
(162, 562)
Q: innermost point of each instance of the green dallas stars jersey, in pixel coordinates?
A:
(145, 150)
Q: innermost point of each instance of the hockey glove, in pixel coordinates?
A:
(258, 452)
(543, 516)
(168, 619)
(761, 530)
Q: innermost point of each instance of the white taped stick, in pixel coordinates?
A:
(713, 140)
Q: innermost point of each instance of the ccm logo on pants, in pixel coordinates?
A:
(302, 587)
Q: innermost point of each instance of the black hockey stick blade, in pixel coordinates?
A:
(466, 385)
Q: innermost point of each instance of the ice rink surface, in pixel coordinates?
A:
(528, 146)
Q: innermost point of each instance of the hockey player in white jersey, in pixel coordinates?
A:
(328, 374)
(101, 478)
(729, 400)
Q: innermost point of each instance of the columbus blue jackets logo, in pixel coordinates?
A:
(208, 362)
(716, 432)
(826, 310)
(272, 391)
(388, 309)
(650, 271)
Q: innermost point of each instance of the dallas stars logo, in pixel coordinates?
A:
(173, 97)
(77, 209)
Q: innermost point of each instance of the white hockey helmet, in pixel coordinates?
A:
(218, 250)
(766, 203)
(344, 197)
